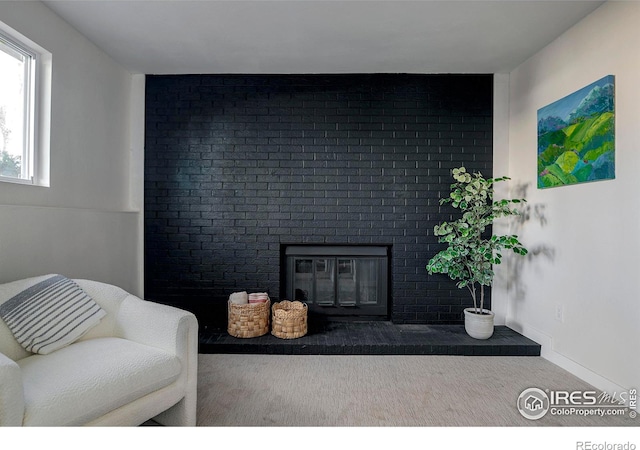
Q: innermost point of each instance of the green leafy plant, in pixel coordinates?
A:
(471, 250)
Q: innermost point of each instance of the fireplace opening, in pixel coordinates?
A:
(338, 282)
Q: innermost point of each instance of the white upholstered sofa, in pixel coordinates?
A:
(139, 362)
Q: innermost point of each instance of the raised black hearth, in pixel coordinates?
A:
(338, 281)
(374, 338)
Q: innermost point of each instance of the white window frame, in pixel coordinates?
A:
(37, 108)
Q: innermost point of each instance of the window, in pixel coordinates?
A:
(25, 74)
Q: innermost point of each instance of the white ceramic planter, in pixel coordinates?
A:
(478, 326)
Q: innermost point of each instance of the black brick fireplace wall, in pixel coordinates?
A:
(236, 166)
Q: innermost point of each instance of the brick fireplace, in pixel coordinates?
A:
(239, 166)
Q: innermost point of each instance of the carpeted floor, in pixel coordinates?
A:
(379, 391)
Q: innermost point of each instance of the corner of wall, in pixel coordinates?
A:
(499, 291)
(136, 169)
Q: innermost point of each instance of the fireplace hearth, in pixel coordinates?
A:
(374, 338)
(338, 281)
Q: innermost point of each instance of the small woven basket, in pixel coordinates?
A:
(248, 320)
(289, 319)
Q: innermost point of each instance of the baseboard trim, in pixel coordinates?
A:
(547, 352)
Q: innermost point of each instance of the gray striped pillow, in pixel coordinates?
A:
(50, 314)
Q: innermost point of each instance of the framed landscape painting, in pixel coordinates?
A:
(576, 137)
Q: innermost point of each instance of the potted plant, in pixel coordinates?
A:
(471, 249)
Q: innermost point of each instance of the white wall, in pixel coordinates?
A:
(87, 223)
(585, 238)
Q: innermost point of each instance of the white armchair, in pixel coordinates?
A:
(138, 363)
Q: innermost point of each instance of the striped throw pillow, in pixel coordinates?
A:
(50, 314)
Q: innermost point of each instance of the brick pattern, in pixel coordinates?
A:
(238, 165)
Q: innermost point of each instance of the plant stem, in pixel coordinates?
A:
(472, 289)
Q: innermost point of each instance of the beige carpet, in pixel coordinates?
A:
(379, 391)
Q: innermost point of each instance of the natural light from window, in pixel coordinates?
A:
(25, 90)
(16, 111)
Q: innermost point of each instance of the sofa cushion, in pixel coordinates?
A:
(87, 379)
(50, 314)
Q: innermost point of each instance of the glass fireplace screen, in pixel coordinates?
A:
(339, 280)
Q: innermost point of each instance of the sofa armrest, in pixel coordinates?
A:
(11, 393)
(173, 330)
(156, 325)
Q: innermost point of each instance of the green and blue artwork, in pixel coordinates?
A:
(576, 137)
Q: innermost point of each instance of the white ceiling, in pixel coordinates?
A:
(331, 36)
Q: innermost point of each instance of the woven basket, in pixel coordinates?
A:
(248, 320)
(289, 319)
